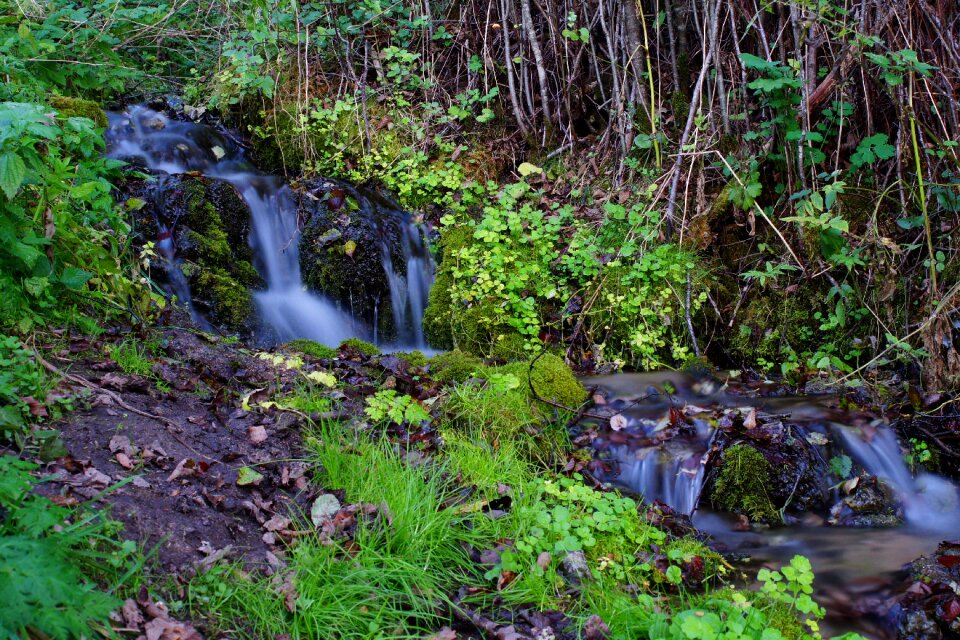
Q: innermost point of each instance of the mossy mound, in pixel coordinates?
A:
(742, 482)
(311, 348)
(229, 302)
(453, 324)
(358, 345)
(550, 378)
(773, 326)
(79, 108)
(454, 366)
(414, 358)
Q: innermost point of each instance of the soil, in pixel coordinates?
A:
(172, 479)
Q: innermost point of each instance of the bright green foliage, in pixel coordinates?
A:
(365, 348)
(20, 377)
(311, 348)
(44, 556)
(522, 267)
(567, 516)
(741, 485)
(500, 412)
(841, 466)
(60, 231)
(388, 407)
(784, 596)
(550, 378)
(131, 357)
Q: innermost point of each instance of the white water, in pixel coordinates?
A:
(286, 308)
(408, 294)
(929, 501)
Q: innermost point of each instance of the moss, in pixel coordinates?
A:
(783, 618)
(454, 366)
(357, 344)
(230, 302)
(311, 348)
(773, 326)
(77, 108)
(551, 378)
(741, 485)
(414, 358)
(508, 347)
(438, 317)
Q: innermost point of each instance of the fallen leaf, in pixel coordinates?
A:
(618, 422)
(750, 422)
(323, 509)
(277, 523)
(36, 407)
(124, 460)
(444, 634)
(256, 434)
(184, 468)
(247, 476)
(543, 560)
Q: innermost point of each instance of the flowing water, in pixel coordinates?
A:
(287, 310)
(857, 568)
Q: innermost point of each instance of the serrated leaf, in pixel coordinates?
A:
(74, 278)
(12, 173)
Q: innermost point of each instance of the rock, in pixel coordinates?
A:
(342, 249)
(867, 497)
(574, 567)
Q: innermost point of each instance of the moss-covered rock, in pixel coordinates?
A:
(774, 326)
(454, 324)
(311, 348)
(358, 345)
(742, 484)
(414, 358)
(210, 224)
(78, 108)
(341, 253)
(455, 366)
(551, 379)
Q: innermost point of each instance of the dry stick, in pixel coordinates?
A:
(527, 20)
(684, 139)
(508, 61)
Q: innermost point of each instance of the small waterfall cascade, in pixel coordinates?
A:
(409, 292)
(672, 475)
(287, 310)
(928, 500)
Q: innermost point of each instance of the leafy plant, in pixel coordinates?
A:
(47, 555)
(388, 406)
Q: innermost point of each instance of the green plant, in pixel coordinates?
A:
(311, 348)
(21, 381)
(48, 555)
(361, 346)
(62, 235)
(841, 466)
(387, 406)
(131, 356)
(918, 455)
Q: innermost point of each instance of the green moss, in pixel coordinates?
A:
(414, 358)
(774, 326)
(454, 366)
(508, 347)
(438, 317)
(311, 348)
(357, 344)
(78, 108)
(230, 302)
(741, 485)
(551, 378)
(783, 618)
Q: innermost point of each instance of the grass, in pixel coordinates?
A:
(132, 357)
(498, 413)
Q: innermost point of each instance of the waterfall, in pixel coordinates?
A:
(928, 500)
(286, 308)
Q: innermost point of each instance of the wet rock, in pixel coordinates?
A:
(574, 567)
(342, 249)
(870, 505)
(917, 625)
(930, 606)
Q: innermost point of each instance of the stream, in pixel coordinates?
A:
(858, 568)
(671, 428)
(287, 310)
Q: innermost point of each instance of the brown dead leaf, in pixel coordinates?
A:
(444, 634)
(185, 468)
(36, 407)
(543, 560)
(131, 614)
(277, 523)
(124, 460)
(256, 434)
(750, 422)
